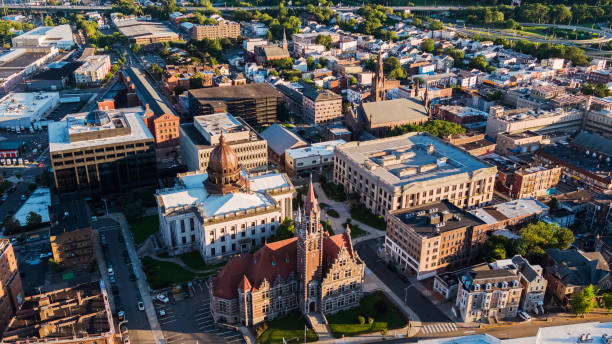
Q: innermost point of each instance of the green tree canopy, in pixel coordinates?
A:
(583, 301)
(325, 41)
(427, 45)
(435, 127)
(285, 230)
(33, 219)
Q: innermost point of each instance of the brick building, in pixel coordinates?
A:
(175, 76)
(165, 128)
(312, 272)
(11, 290)
(73, 315)
(475, 144)
(222, 29)
(71, 235)
(429, 239)
(322, 106)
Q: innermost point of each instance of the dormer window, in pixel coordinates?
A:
(488, 286)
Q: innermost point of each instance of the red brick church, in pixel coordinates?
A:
(312, 272)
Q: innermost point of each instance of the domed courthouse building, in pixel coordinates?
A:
(223, 211)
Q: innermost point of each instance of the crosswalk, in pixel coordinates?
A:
(439, 327)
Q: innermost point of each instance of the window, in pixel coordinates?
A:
(336, 276)
(182, 226)
(347, 273)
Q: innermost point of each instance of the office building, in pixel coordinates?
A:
(222, 29)
(411, 170)
(22, 109)
(144, 32)
(321, 106)
(311, 272)
(93, 70)
(486, 293)
(429, 239)
(59, 37)
(316, 158)
(102, 151)
(223, 211)
(198, 139)
(70, 234)
(73, 315)
(11, 290)
(256, 104)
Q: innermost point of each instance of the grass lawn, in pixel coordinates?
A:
(333, 191)
(143, 227)
(364, 215)
(375, 305)
(164, 274)
(356, 231)
(193, 260)
(290, 327)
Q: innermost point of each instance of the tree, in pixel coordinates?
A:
(478, 62)
(136, 48)
(393, 68)
(606, 299)
(560, 14)
(437, 25)
(156, 69)
(353, 80)
(427, 45)
(33, 219)
(11, 225)
(598, 90)
(285, 230)
(325, 41)
(48, 21)
(583, 302)
(435, 127)
(499, 247)
(537, 237)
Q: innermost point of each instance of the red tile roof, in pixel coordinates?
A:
(273, 260)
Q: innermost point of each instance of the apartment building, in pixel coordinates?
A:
(486, 293)
(411, 170)
(71, 235)
(198, 139)
(93, 70)
(222, 29)
(532, 281)
(475, 144)
(311, 272)
(43, 317)
(462, 115)
(528, 181)
(511, 214)
(102, 151)
(570, 271)
(321, 106)
(432, 238)
(256, 104)
(586, 159)
(11, 290)
(175, 76)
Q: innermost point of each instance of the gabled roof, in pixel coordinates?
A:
(575, 267)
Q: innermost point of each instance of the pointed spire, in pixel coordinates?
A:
(245, 285)
(298, 218)
(310, 203)
(348, 230)
(285, 44)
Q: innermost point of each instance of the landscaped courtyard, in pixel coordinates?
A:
(143, 227)
(364, 215)
(164, 274)
(375, 313)
(289, 327)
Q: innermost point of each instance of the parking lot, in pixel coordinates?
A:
(189, 320)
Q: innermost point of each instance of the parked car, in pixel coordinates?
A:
(163, 298)
(141, 306)
(121, 315)
(24, 197)
(162, 313)
(112, 279)
(45, 255)
(524, 316)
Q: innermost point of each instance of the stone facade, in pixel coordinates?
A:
(312, 272)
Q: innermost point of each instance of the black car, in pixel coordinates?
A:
(132, 277)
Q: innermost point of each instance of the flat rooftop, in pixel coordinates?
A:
(74, 124)
(435, 218)
(68, 216)
(391, 111)
(247, 91)
(81, 311)
(412, 157)
(316, 149)
(15, 105)
(579, 159)
(531, 114)
(513, 209)
(134, 28)
(22, 60)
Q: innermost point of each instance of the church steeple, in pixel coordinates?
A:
(378, 84)
(285, 44)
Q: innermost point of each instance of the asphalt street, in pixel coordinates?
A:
(426, 311)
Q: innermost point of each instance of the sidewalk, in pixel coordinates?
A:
(143, 286)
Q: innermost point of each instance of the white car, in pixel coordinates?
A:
(141, 306)
(45, 255)
(162, 313)
(524, 316)
(163, 298)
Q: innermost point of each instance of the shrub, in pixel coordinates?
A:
(380, 307)
(361, 320)
(384, 331)
(370, 320)
(261, 329)
(333, 213)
